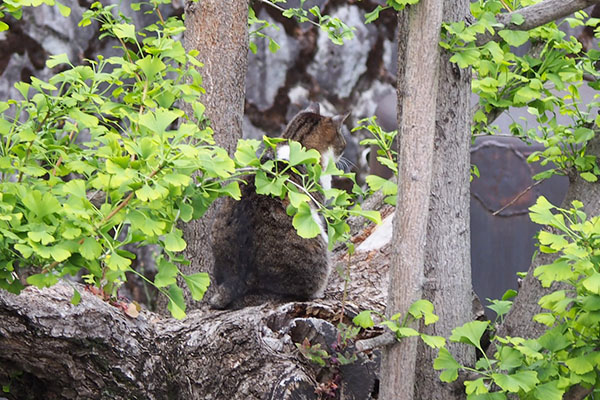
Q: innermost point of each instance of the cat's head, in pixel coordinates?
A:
(318, 132)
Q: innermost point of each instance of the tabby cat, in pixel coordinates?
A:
(256, 249)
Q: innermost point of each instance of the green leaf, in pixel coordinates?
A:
(364, 319)
(470, 333)
(124, 31)
(526, 94)
(266, 186)
(592, 283)
(371, 215)
(150, 66)
(514, 38)
(198, 284)
(423, 308)
(176, 302)
(58, 59)
(373, 15)
(554, 340)
(176, 179)
(305, 223)
(64, 10)
(446, 362)
(466, 58)
(297, 198)
(3, 26)
(509, 358)
(525, 380)
(42, 237)
(541, 211)
(299, 155)
(159, 120)
(76, 299)
(245, 154)
(516, 19)
(116, 262)
(167, 273)
(59, 253)
(588, 176)
(435, 342)
(174, 241)
(42, 280)
(90, 249)
(580, 365)
(232, 189)
(477, 386)
(548, 391)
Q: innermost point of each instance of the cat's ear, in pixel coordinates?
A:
(313, 107)
(338, 120)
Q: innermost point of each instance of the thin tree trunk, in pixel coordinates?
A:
(417, 92)
(447, 258)
(219, 31)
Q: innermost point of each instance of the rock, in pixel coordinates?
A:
(336, 68)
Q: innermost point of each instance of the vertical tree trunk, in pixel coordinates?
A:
(448, 258)
(219, 31)
(417, 91)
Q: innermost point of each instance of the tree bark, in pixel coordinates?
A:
(52, 349)
(417, 102)
(219, 31)
(447, 257)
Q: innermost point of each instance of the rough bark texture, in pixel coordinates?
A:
(415, 158)
(219, 31)
(447, 257)
(52, 349)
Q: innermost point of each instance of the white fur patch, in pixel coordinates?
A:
(326, 157)
(283, 152)
(317, 219)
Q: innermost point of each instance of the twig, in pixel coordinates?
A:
(385, 339)
(283, 9)
(517, 197)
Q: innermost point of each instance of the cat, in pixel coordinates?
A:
(256, 249)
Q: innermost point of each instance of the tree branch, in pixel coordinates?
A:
(537, 15)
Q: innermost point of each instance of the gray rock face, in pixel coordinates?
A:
(336, 68)
(267, 70)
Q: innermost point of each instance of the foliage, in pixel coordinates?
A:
(103, 155)
(420, 309)
(14, 8)
(91, 161)
(567, 353)
(386, 155)
(546, 80)
(337, 31)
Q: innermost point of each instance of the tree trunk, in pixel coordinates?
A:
(219, 31)
(417, 91)
(448, 258)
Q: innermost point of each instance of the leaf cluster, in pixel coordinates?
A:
(546, 80)
(567, 353)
